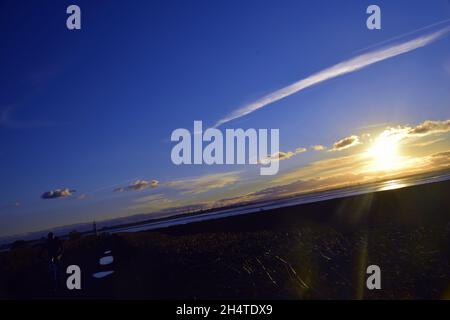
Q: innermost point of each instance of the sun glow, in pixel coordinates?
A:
(385, 153)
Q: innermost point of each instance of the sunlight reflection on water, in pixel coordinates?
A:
(392, 184)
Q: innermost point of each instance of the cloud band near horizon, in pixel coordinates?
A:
(348, 66)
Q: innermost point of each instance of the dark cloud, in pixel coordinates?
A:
(346, 143)
(138, 185)
(58, 193)
(281, 155)
(429, 127)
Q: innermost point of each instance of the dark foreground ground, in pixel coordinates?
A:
(313, 251)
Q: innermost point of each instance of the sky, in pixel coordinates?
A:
(86, 115)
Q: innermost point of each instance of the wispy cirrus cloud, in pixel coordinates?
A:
(152, 202)
(348, 66)
(205, 183)
(428, 143)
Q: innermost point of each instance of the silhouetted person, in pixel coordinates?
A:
(53, 246)
(54, 249)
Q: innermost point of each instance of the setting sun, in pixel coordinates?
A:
(385, 153)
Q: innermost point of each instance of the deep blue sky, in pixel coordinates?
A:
(92, 108)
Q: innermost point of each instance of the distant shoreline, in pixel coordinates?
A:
(248, 208)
